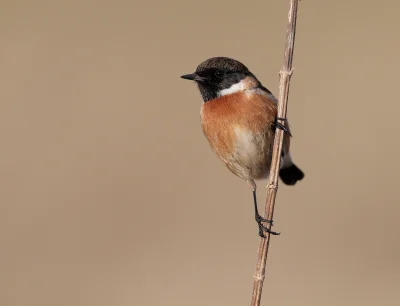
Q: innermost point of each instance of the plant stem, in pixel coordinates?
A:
(272, 187)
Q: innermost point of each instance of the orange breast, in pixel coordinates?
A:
(238, 128)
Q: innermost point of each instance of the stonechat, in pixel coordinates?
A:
(239, 118)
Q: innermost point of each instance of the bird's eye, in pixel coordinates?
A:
(219, 73)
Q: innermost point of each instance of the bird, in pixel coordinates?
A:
(239, 119)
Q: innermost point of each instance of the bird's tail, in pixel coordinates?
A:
(291, 174)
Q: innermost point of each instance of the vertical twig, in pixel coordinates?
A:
(272, 187)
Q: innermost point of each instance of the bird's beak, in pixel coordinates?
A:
(192, 77)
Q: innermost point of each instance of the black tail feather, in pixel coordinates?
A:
(291, 175)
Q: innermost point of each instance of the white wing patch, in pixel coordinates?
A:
(286, 161)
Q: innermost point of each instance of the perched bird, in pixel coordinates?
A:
(239, 118)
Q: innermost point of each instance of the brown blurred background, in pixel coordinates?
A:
(110, 194)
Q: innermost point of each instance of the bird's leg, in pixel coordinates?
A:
(279, 125)
(259, 219)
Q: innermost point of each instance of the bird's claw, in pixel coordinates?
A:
(260, 219)
(279, 125)
(262, 228)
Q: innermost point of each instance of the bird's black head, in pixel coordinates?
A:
(218, 76)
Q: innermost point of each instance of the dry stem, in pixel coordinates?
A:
(272, 187)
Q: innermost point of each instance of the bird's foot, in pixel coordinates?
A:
(262, 228)
(279, 125)
(260, 219)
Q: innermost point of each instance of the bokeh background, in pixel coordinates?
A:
(110, 194)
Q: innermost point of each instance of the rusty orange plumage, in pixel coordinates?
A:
(238, 118)
(230, 121)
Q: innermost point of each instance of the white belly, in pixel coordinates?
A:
(252, 153)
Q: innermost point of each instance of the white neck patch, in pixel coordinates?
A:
(233, 89)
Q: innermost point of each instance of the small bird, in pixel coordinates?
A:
(239, 118)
